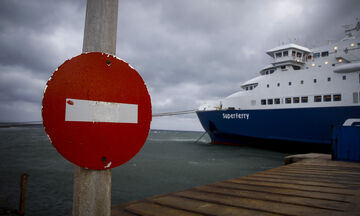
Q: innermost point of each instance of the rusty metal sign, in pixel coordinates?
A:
(96, 111)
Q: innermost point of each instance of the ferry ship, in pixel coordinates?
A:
(299, 97)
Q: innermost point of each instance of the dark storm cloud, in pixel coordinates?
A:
(184, 42)
(188, 52)
(27, 28)
(19, 86)
(35, 37)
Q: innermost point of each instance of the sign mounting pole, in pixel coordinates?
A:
(92, 188)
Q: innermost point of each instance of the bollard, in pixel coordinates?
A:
(23, 181)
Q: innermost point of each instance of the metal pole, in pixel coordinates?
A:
(92, 188)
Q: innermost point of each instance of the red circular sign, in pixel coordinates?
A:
(96, 111)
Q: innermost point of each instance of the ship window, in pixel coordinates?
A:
(293, 53)
(278, 55)
(277, 100)
(344, 77)
(302, 82)
(304, 99)
(286, 53)
(315, 80)
(327, 98)
(283, 67)
(288, 100)
(329, 79)
(295, 67)
(251, 87)
(317, 98)
(355, 97)
(272, 71)
(263, 101)
(231, 108)
(296, 99)
(298, 55)
(324, 54)
(278, 84)
(337, 97)
(270, 101)
(316, 55)
(289, 83)
(309, 57)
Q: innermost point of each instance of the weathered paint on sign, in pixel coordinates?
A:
(100, 111)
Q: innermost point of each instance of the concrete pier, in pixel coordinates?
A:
(315, 185)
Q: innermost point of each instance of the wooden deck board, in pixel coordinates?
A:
(308, 187)
(285, 191)
(290, 185)
(205, 207)
(282, 198)
(293, 181)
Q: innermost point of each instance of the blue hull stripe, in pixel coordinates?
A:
(312, 125)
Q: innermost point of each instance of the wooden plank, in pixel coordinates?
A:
(324, 167)
(153, 209)
(122, 212)
(282, 198)
(314, 187)
(305, 178)
(329, 163)
(276, 179)
(254, 204)
(284, 191)
(320, 172)
(342, 191)
(119, 209)
(207, 208)
(314, 178)
(352, 171)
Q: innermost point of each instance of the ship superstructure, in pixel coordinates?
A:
(300, 96)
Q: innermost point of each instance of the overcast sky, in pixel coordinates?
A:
(187, 51)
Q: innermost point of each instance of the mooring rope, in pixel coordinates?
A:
(201, 137)
(30, 123)
(174, 113)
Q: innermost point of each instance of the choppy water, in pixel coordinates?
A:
(169, 161)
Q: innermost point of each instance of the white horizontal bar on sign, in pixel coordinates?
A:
(100, 111)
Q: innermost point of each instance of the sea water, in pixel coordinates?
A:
(169, 161)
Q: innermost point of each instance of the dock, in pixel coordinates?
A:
(314, 186)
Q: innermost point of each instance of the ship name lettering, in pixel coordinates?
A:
(236, 116)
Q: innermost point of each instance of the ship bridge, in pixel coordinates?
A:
(285, 56)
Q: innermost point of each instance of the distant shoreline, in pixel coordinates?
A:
(19, 125)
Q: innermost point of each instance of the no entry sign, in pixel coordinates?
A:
(96, 111)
